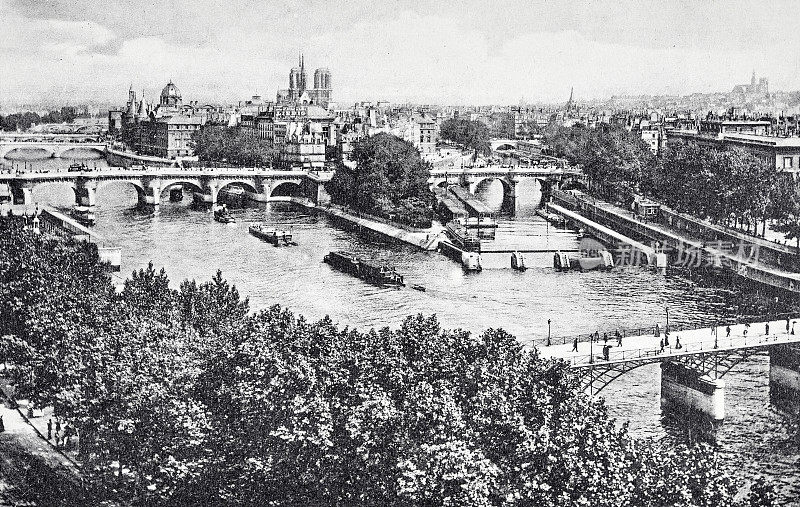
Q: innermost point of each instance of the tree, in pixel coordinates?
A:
(469, 134)
(216, 143)
(786, 208)
(389, 180)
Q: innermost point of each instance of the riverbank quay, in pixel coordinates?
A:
(424, 239)
(742, 259)
(32, 470)
(49, 221)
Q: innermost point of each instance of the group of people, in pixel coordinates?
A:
(62, 434)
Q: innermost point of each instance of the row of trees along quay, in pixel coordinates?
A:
(389, 180)
(728, 187)
(232, 145)
(184, 396)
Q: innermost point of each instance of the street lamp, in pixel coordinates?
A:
(548, 332)
(591, 348)
(666, 330)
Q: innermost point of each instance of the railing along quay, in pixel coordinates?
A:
(650, 330)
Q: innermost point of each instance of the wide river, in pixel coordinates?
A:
(757, 437)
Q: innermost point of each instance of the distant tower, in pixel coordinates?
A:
(570, 102)
(753, 80)
(303, 76)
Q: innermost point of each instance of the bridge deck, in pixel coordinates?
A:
(695, 341)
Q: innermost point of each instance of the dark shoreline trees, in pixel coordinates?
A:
(184, 397)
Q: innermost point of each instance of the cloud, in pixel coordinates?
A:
(446, 52)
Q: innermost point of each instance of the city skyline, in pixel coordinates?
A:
(484, 53)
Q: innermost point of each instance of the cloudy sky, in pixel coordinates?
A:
(441, 51)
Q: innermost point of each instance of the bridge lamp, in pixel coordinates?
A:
(666, 330)
(548, 332)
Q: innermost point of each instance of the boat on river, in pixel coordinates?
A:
(463, 237)
(222, 215)
(597, 260)
(84, 214)
(270, 235)
(349, 263)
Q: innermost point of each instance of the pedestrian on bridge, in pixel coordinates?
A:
(605, 338)
(661, 344)
(793, 323)
(787, 325)
(575, 344)
(678, 342)
(728, 331)
(766, 328)
(619, 338)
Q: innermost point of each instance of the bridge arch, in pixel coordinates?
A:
(247, 186)
(54, 193)
(483, 184)
(504, 144)
(45, 152)
(194, 186)
(137, 186)
(593, 379)
(287, 189)
(63, 151)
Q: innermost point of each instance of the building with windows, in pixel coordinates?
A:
(164, 130)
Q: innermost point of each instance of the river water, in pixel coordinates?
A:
(757, 437)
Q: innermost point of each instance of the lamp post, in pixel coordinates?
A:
(591, 349)
(666, 330)
(548, 332)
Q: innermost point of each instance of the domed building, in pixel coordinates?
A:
(171, 96)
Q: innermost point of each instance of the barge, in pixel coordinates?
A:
(349, 263)
(273, 236)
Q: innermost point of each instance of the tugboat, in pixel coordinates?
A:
(222, 215)
(349, 263)
(273, 236)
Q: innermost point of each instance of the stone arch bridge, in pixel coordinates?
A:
(258, 184)
(549, 175)
(55, 145)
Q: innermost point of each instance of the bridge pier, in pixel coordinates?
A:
(152, 195)
(692, 391)
(784, 372)
(22, 193)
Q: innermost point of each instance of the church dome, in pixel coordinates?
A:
(170, 95)
(170, 91)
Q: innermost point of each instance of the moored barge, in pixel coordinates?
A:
(349, 263)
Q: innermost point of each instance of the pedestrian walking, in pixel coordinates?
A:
(605, 338)
(2, 425)
(658, 330)
(619, 338)
(766, 328)
(606, 350)
(678, 342)
(575, 344)
(661, 344)
(666, 339)
(787, 325)
(49, 429)
(793, 323)
(58, 427)
(728, 332)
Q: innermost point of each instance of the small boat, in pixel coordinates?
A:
(462, 237)
(581, 234)
(222, 215)
(349, 263)
(518, 261)
(471, 261)
(603, 260)
(84, 215)
(76, 167)
(418, 287)
(273, 236)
